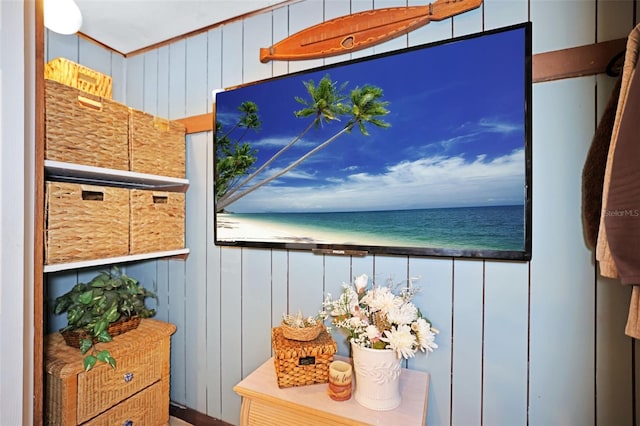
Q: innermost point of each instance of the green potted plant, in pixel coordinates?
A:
(110, 304)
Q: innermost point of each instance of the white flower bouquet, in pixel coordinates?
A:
(377, 318)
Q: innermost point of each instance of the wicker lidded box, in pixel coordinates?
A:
(83, 125)
(300, 363)
(79, 77)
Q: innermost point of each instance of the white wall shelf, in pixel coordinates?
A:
(83, 174)
(79, 173)
(113, 260)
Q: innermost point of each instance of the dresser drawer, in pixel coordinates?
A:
(106, 386)
(75, 397)
(146, 408)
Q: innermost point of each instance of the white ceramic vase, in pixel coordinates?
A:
(377, 378)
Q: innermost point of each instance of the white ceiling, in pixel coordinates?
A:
(129, 25)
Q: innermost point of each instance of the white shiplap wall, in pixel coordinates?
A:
(537, 343)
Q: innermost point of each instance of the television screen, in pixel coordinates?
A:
(424, 151)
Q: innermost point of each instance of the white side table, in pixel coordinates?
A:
(264, 403)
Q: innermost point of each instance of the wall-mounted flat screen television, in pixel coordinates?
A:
(424, 151)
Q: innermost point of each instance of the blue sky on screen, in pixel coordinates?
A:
(457, 115)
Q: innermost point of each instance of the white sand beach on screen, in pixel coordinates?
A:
(230, 227)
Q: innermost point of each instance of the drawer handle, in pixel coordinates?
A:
(128, 423)
(128, 377)
(90, 103)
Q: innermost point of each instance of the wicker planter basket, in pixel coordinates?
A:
(302, 334)
(73, 337)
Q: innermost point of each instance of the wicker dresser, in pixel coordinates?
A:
(136, 392)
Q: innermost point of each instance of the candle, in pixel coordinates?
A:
(340, 374)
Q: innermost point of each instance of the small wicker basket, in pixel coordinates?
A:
(73, 337)
(302, 334)
(299, 363)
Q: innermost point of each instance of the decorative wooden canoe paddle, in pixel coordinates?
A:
(361, 30)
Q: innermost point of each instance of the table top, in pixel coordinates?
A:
(414, 388)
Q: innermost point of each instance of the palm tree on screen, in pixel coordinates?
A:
(326, 105)
(366, 107)
(235, 158)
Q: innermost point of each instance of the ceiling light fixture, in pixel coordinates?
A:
(62, 16)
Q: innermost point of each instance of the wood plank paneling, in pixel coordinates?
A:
(182, 303)
(254, 38)
(150, 82)
(500, 13)
(305, 283)
(504, 378)
(279, 30)
(213, 284)
(61, 46)
(94, 57)
(195, 282)
(119, 78)
(230, 331)
(615, 19)
(337, 270)
(435, 300)
(232, 66)
(562, 296)
(177, 80)
(550, 18)
(279, 284)
(163, 82)
(256, 313)
(214, 64)
(197, 90)
(468, 23)
(135, 82)
(468, 340)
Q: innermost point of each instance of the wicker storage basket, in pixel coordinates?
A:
(300, 363)
(157, 221)
(156, 145)
(80, 77)
(73, 337)
(84, 222)
(85, 129)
